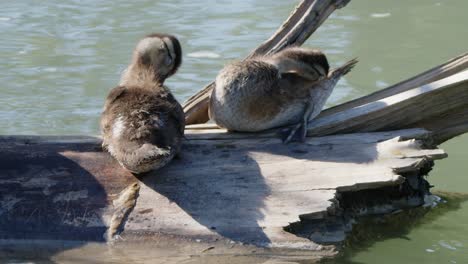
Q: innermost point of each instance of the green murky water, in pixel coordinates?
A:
(58, 60)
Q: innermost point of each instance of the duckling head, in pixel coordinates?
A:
(161, 54)
(311, 64)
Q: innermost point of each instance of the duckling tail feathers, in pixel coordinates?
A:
(344, 69)
(147, 157)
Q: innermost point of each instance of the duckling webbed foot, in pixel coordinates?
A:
(296, 133)
(299, 131)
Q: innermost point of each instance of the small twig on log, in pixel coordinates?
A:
(305, 20)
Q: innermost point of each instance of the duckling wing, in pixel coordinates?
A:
(114, 94)
(244, 95)
(107, 117)
(245, 78)
(177, 114)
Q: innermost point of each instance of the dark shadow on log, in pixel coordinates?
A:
(226, 193)
(50, 191)
(46, 195)
(224, 202)
(56, 189)
(242, 190)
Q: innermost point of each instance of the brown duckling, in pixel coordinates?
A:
(142, 123)
(290, 87)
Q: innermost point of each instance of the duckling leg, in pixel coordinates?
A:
(299, 131)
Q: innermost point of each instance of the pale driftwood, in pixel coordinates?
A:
(245, 191)
(306, 18)
(436, 106)
(444, 70)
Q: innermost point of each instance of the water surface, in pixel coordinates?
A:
(59, 59)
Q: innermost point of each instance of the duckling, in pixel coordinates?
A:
(142, 123)
(264, 92)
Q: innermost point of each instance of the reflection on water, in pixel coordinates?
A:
(416, 236)
(58, 60)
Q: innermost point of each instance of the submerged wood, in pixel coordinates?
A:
(306, 18)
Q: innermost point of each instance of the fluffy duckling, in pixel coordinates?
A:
(142, 123)
(287, 88)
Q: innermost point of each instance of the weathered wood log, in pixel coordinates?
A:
(306, 18)
(245, 191)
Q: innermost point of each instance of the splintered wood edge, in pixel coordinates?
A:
(412, 158)
(408, 155)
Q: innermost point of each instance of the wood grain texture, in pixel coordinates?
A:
(245, 191)
(436, 106)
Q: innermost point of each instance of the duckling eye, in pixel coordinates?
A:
(168, 60)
